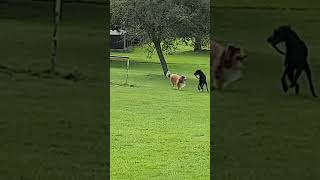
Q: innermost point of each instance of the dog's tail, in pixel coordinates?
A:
(168, 74)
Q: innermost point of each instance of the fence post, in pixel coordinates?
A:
(128, 63)
(54, 36)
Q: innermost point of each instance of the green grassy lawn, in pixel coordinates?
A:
(183, 55)
(53, 128)
(268, 3)
(158, 132)
(260, 132)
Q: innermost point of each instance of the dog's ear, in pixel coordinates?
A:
(231, 49)
(228, 55)
(236, 50)
(227, 52)
(181, 78)
(184, 78)
(284, 27)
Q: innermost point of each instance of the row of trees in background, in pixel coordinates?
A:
(161, 22)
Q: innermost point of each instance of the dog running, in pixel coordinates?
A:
(202, 79)
(176, 80)
(295, 57)
(226, 64)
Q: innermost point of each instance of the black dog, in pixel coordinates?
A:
(295, 57)
(202, 79)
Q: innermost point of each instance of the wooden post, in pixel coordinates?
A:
(128, 64)
(124, 42)
(61, 10)
(54, 36)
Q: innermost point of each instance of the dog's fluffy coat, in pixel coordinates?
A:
(176, 80)
(226, 65)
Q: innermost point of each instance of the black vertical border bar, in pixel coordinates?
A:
(108, 86)
(213, 127)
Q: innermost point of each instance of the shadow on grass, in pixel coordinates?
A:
(156, 76)
(225, 91)
(136, 61)
(193, 53)
(122, 84)
(266, 8)
(46, 74)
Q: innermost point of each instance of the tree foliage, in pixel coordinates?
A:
(161, 22)
(198, 29)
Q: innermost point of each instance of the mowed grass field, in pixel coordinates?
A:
(295, 4)
(158, 132)
(53, 128)
(259, 131)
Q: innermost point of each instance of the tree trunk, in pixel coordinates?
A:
(54, 36)
(61, 10)
(163, 62)
(212, 77)
(197, 44)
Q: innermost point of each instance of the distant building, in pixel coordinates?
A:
(119, 40)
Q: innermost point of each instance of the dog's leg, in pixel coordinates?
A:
(283, 79)
(291, 78)
(295, 82)
(202, 86)
(206, 86)
(199, 86)
(308, 72)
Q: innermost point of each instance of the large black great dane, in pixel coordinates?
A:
(295, 57)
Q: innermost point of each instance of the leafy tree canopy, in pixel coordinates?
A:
(161, 22)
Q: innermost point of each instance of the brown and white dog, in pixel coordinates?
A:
(176, 80)
(226, 64)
